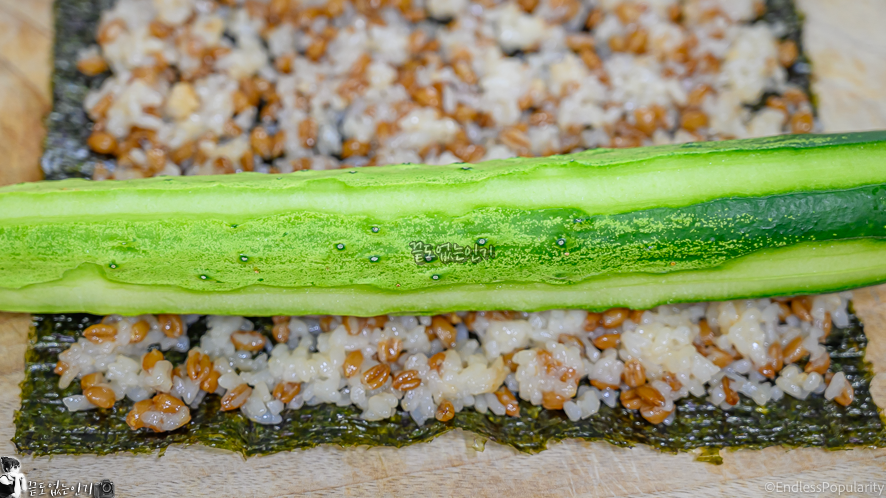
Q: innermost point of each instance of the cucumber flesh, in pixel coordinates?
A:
(807, 268)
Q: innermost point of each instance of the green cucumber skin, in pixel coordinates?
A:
(564, 224)
(599, 181)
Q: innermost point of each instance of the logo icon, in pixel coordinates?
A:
(103, 489)
(12, 482)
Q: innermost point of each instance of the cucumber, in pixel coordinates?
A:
(597, 229)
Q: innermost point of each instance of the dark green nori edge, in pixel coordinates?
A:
(45, 427)
(65, 152)
(784, 12)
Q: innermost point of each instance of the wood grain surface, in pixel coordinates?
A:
(848, 49)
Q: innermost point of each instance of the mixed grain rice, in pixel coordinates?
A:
(209, 87)
(433, 367)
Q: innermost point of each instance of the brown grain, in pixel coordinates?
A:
(719, 357)
(630, 399)
(159, 29)
(376, 376)
(820, 364)
(603, 385)
(197, 366)
(516, 139)
(775, 362)
(528, 5)
(100, 396)
(654, 414)
(151, 358)
(646, 120)
(102, 142)
(594, 18)
(280, 331)
(552, 401)
(316, 49)
(784, 311)
(607, 341)
(389, 349)
(60, 368)
(636, 41)
(171, 325)
(406, 380)
(436, 361)
(573, 341)
(705, 333)
(634, 374)
(133, 418)
(617, 43)
(326, 323)
(614, 317)
(580, 41)
(787, 53)
(464, 72)
(731, 395)
(210, 382)
(109, 31)
(444, 331)
(445, 411)
(353, 147)
(100, 333)
(251, 341)
(506, 398)
(693, 119)
(846, 396)
(427, 96)
(353, 363)
(794, 351)
(801, 308)
(286, 391)
(697, 95)
(93, 379)
(235, 398)
(795, 96)
(593, 321)
(802, 121)
(307, 132)
(167, 404)
(262, 143)
(650, 395)
(671, 380)
(590, 58)
(92, 66)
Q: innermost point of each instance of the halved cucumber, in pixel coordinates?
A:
(601, 228)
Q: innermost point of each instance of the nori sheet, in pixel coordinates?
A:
(45, 427)
(65, 153)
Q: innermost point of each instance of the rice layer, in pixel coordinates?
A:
(209, 87)
(434, 367)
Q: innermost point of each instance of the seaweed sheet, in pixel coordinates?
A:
(45, 427)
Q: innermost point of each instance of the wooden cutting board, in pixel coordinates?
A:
(848, 49)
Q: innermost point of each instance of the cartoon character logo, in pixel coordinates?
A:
(12, 482)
